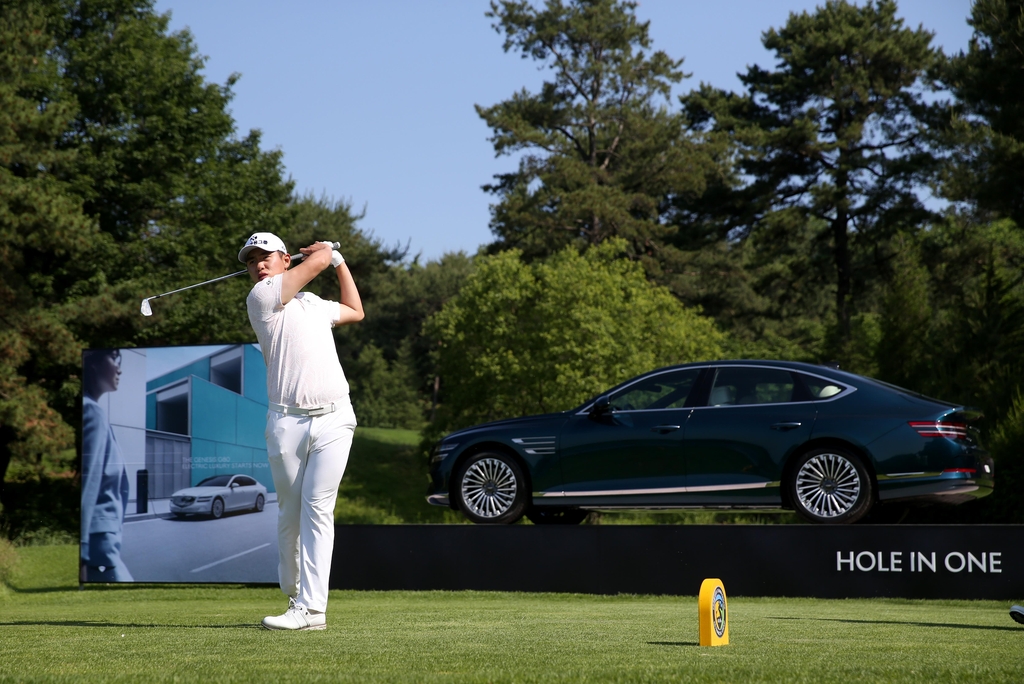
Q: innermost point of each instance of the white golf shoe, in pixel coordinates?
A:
(296, 618)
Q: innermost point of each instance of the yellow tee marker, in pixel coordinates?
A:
(713, 614)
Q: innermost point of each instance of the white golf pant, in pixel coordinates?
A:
(307, 458)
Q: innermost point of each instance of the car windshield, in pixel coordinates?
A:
(215, 481)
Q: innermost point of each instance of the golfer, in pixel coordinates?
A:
(310, 421)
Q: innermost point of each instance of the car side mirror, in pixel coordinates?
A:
(602, 405)
(235, 484)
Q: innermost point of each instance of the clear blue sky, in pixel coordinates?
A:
(372, 101)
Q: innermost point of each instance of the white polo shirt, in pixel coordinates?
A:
(302, 362)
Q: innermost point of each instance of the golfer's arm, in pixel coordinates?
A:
(351, 304)
(298, 276)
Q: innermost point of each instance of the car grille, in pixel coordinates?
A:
(182, 500)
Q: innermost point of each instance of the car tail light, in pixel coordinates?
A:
(933, 428)
(966, 471)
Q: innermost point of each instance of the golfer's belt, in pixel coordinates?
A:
(296, 411)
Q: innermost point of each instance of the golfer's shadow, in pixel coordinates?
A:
(119, 625)
(946, 625)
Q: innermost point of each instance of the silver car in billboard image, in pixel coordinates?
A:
(218, 494)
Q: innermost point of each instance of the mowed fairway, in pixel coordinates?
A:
(49, 630)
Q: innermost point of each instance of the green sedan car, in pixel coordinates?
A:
(726, 434)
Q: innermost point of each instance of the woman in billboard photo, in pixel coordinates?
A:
(104, 477)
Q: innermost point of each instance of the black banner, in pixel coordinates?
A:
(907, 561)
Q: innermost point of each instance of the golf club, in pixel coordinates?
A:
(147, 310)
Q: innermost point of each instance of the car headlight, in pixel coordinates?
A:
(441, 451)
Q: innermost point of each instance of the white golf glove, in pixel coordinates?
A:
(336, 258)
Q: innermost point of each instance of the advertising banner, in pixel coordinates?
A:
(822, 561)
(175, 481)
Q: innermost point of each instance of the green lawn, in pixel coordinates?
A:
(385, 482)
(49, 630)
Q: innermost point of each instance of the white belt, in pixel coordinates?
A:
(296, 411)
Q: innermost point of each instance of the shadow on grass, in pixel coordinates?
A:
(672, 643)
(120, 625)
(947, 625)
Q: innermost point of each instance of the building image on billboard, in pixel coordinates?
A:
(180, 488)
(207, 418)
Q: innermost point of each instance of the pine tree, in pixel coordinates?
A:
(831, 139)
(987, 128)
(602, 151)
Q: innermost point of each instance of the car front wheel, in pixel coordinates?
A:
(490, 488)
(217, 509)
(831, 486)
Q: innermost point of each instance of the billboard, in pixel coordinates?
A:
(175, 481)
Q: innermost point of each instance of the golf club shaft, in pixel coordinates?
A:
(295, 257)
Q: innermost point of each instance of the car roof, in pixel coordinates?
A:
(826, 371)
(814, 369)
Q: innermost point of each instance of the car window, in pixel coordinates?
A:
(215, 481)
(245, 481)
(738, 386)
(663, 391)
(820, 388)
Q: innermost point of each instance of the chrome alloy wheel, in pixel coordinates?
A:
(828, 485)
(489, 487)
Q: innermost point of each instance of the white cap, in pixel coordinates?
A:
(265, 241)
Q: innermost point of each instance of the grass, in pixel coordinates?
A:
(51, 631)
(385, 482)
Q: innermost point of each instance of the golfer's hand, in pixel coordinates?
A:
(316, 247)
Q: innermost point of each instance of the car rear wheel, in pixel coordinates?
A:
(556, 516)
(259, 503)
(831, 486)
(490, 488)
(217, 509)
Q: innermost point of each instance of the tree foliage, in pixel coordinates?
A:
(832, 138)
(987, 128)
(533, 338)
(44, 238)
(121, 176)
(600, 150)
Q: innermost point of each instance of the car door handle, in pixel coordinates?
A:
(785, 426)
(664, 429)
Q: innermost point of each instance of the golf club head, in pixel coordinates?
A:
(147, 310)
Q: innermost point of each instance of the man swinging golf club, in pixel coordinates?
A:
(310, 421)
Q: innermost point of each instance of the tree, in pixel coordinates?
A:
(832, 139)
(399, 300)
(120, 176)
(161, 169)
(976, 332)
(987, 128)
(547, 336)
(43, 233)
(906, 319)
(601, 150)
